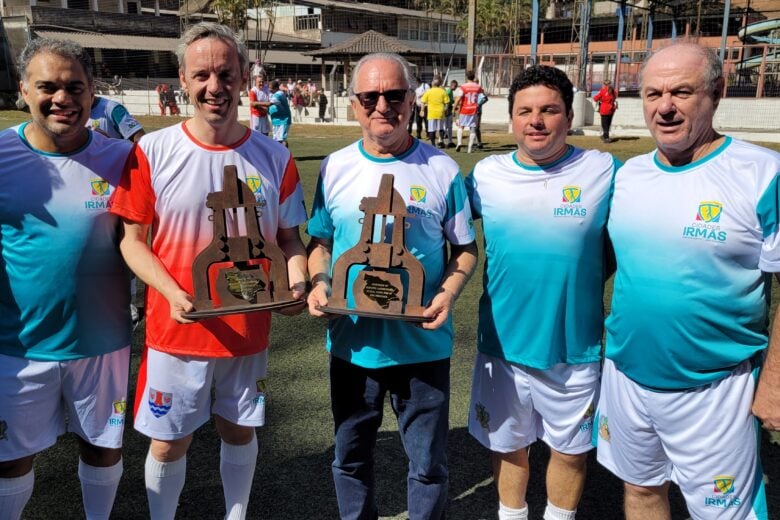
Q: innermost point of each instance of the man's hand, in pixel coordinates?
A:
(439, 309)
(298, 293)
(766, 404)
(319, 297)
(180, 303)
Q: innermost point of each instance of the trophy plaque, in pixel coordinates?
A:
(380, 291)
(244, 285)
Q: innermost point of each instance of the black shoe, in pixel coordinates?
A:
(480, 146)
(440, 145)
(450, 145)
(457, 148)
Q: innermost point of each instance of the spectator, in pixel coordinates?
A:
(606, 103)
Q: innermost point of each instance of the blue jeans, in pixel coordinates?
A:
(419, 395)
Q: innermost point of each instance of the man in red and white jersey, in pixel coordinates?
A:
(259, 101)
(466, 104)
(163, 189)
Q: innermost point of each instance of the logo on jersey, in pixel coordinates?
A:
(587, 419)
(99, 187)
(417, 193)
(483, 417)
(571, 205)
(159, 402)
(261, 388)
(709, 211)
(118, 417)
(723, 496)
(255, 183)
(571, 194)
(3, 431)
(705, 226)
(100, 190)
(604, 428)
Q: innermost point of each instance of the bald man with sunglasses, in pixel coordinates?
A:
(371, 357)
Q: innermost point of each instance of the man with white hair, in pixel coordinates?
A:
(372, 357)
(695, 230)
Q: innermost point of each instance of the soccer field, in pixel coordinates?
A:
(293, 480)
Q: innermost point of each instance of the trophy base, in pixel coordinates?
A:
(411, 318)
(239, 309)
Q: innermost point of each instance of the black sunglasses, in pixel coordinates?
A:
(370, 99)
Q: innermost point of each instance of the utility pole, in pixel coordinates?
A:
(472, 23)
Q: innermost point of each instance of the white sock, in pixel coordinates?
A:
(460, 136)
(14, 495)
(164, 482)
(507, 513)
(472, 136)
(237, 468)
(556, 513)
(98, 489)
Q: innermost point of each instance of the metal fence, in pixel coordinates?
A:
(751, 71)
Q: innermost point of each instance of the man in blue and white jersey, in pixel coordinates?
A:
(544, 214)
(694, 227)
(64, 304)
(113, 120)
(369, 356)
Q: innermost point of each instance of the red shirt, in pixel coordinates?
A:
(607, 101)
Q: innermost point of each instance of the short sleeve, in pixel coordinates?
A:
(768, 213)
(320, 223)
(458, 225)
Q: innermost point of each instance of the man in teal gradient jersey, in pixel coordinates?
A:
(694, 226)
(544, 213)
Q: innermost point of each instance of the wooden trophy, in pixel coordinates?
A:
(379, 290)
(243, 286)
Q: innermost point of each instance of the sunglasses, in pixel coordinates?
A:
(369, 100)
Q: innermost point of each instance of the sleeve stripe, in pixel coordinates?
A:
(290, 181)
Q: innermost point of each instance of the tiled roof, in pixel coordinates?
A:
(368, 43)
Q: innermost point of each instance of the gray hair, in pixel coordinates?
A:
(62, 48)
(713, 69)
(212, 30)
(411, 81)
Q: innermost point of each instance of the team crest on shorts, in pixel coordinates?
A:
(118, 416)
(724, 484)
(604, 428)
(723, 494)
(261, 389)
(483, 417)
(587, 418)
(159, 402)
(3, 431)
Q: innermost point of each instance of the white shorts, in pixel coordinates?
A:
(467, 121)
(260, 124)
(434, 125)
(173, 397)
(280, 132)
(704, 439)
(40, 400)
(513, 405)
